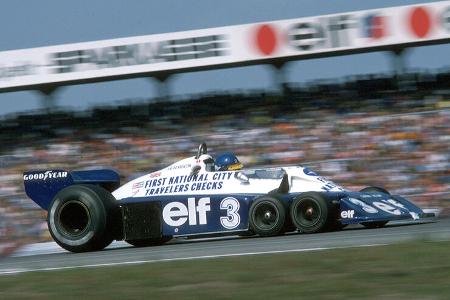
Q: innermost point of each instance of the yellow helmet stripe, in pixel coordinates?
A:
(236, 166)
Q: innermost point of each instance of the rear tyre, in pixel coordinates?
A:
(374, 189)
(267, 216)
(149, 242)
(311, 212)
(81, 218)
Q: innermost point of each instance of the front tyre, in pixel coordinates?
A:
(267, 216)
(310, 212)
(81, 218)
(374, 189)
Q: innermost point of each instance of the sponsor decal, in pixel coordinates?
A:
(366, 207)
(185, 183)
(45, 175)
(138, 185)
(387, 208)
(178, 167)
(177, 214)
(329, 185)
(395, 203)
(372, 196)
(195, 212)
(390, 206)
(347, 214)
(155, 174)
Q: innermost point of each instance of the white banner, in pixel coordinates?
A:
(327, 35)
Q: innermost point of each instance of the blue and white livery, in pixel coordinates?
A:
(87, 210)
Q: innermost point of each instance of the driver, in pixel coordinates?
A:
(228, 162)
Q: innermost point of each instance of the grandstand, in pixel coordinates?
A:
(364, 131)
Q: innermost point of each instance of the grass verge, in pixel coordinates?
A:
(419, 270)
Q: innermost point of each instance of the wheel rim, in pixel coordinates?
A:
(307, 212)
(74, 218)
(265, 216)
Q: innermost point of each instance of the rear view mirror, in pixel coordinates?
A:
(195, 169)
(242, 178)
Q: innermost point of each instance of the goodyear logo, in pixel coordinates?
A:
(45, 175)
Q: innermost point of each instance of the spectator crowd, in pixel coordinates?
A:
(373, 130)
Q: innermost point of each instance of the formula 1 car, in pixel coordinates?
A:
(87, 210)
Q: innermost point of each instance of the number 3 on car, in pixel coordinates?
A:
(232, 219)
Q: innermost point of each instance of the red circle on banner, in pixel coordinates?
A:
(266, 39)
(420, 21)
(379, 29)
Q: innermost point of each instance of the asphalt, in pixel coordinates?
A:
(54, 258)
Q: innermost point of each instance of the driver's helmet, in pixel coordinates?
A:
(208, 162)
(228, 162)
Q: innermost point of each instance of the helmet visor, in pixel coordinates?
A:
(236, 166)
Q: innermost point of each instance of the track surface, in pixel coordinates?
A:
(119, 253)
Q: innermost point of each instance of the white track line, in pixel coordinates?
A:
(18, 271)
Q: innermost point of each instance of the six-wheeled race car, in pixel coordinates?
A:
(87, 210)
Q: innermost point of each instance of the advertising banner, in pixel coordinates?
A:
(240, 45)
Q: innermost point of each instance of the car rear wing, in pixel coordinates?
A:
(42, 186)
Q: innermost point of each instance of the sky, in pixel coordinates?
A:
(28, 24)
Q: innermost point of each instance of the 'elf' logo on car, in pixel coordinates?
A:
(177, 214)
(347, 214)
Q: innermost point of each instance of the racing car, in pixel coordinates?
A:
(87, 210)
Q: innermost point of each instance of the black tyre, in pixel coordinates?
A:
(311, 212)
(374, 189)
(288, 225)
(81, 218)
(267, 216)
(149, 242)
